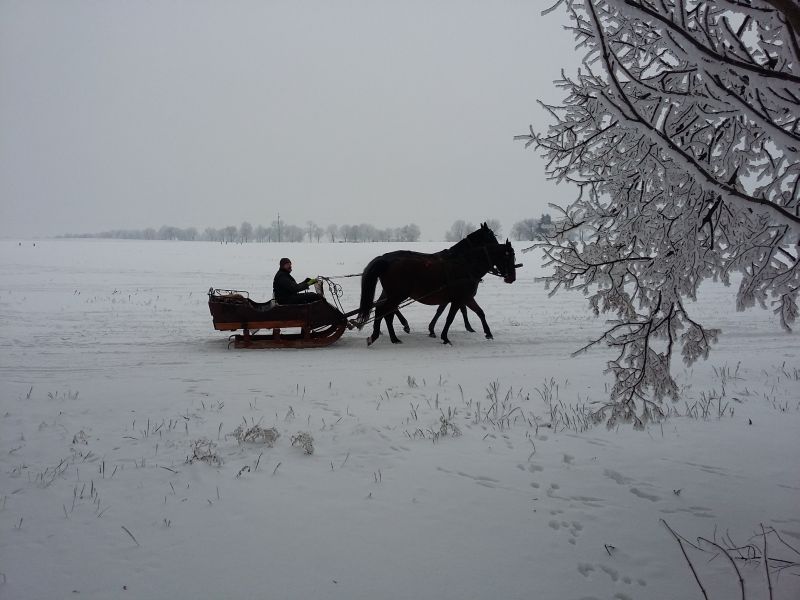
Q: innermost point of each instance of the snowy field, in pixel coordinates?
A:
(121, 475)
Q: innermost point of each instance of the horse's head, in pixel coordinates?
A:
(504, 261)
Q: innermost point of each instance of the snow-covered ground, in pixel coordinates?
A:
(112, 378)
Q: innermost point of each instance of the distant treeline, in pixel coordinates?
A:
(277, 232)
(527, 229)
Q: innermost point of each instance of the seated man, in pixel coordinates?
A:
(287, 290)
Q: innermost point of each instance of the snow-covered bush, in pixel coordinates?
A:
(256, 434)
(205, 451)
(304, 440)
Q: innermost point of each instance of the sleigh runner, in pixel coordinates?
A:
(310, 325)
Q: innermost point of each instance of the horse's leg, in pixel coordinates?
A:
(467, 326)
(376, 332)
(376, 328)
(384, 311)
(439, 311)
(403, 321)
(479, 311)
(389, 318)
(450, 316)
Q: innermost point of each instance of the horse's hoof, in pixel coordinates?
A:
(470, 329)
(370, 341)
(489, 336)
(407, 329)
(431, 334)
(447, 342)
(397, 341)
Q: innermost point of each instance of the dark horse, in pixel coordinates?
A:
(449, 277)
(481, 237)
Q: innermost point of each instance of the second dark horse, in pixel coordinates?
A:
(432, 279)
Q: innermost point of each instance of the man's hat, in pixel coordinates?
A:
(284, 261)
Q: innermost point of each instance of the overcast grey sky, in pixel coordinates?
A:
(130, 114)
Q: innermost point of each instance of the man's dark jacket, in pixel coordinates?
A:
(284, 286)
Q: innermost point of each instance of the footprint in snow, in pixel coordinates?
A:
(617, 477)
(645, 495)
(586, 570)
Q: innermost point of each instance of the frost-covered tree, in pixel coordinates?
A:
(332, 230)
(229, 233)
(292, 233)
(245, 232)
(211, 234)
(682, 132)
(367, 233)
(313, 231)
(409, 233)
(168, 232)
(261, 233)
(526, 229)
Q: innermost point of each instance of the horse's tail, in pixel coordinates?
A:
(369, 281)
